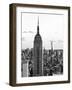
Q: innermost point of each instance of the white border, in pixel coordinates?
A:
(63, 77)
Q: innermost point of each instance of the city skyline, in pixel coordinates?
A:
(39, 62)
(48, 33)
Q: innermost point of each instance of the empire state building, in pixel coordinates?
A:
(37, 54)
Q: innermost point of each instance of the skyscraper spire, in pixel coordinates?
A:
(38, 26)
(38, 20)
(52, 45)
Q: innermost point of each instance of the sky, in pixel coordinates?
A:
(51, 28)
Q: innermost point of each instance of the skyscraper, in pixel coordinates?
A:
(37, 54)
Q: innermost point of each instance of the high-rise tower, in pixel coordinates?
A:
(37, 54)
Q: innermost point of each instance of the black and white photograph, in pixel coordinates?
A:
(42, 44)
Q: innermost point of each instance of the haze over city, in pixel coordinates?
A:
(51, 29)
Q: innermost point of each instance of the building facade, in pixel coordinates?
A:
(37, 54)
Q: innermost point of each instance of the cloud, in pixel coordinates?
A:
(23, 38)
(28, 32)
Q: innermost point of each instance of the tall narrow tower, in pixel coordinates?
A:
(51, 45)
(37, 55)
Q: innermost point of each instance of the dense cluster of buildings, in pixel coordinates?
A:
(52, 62)
(41, 62)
